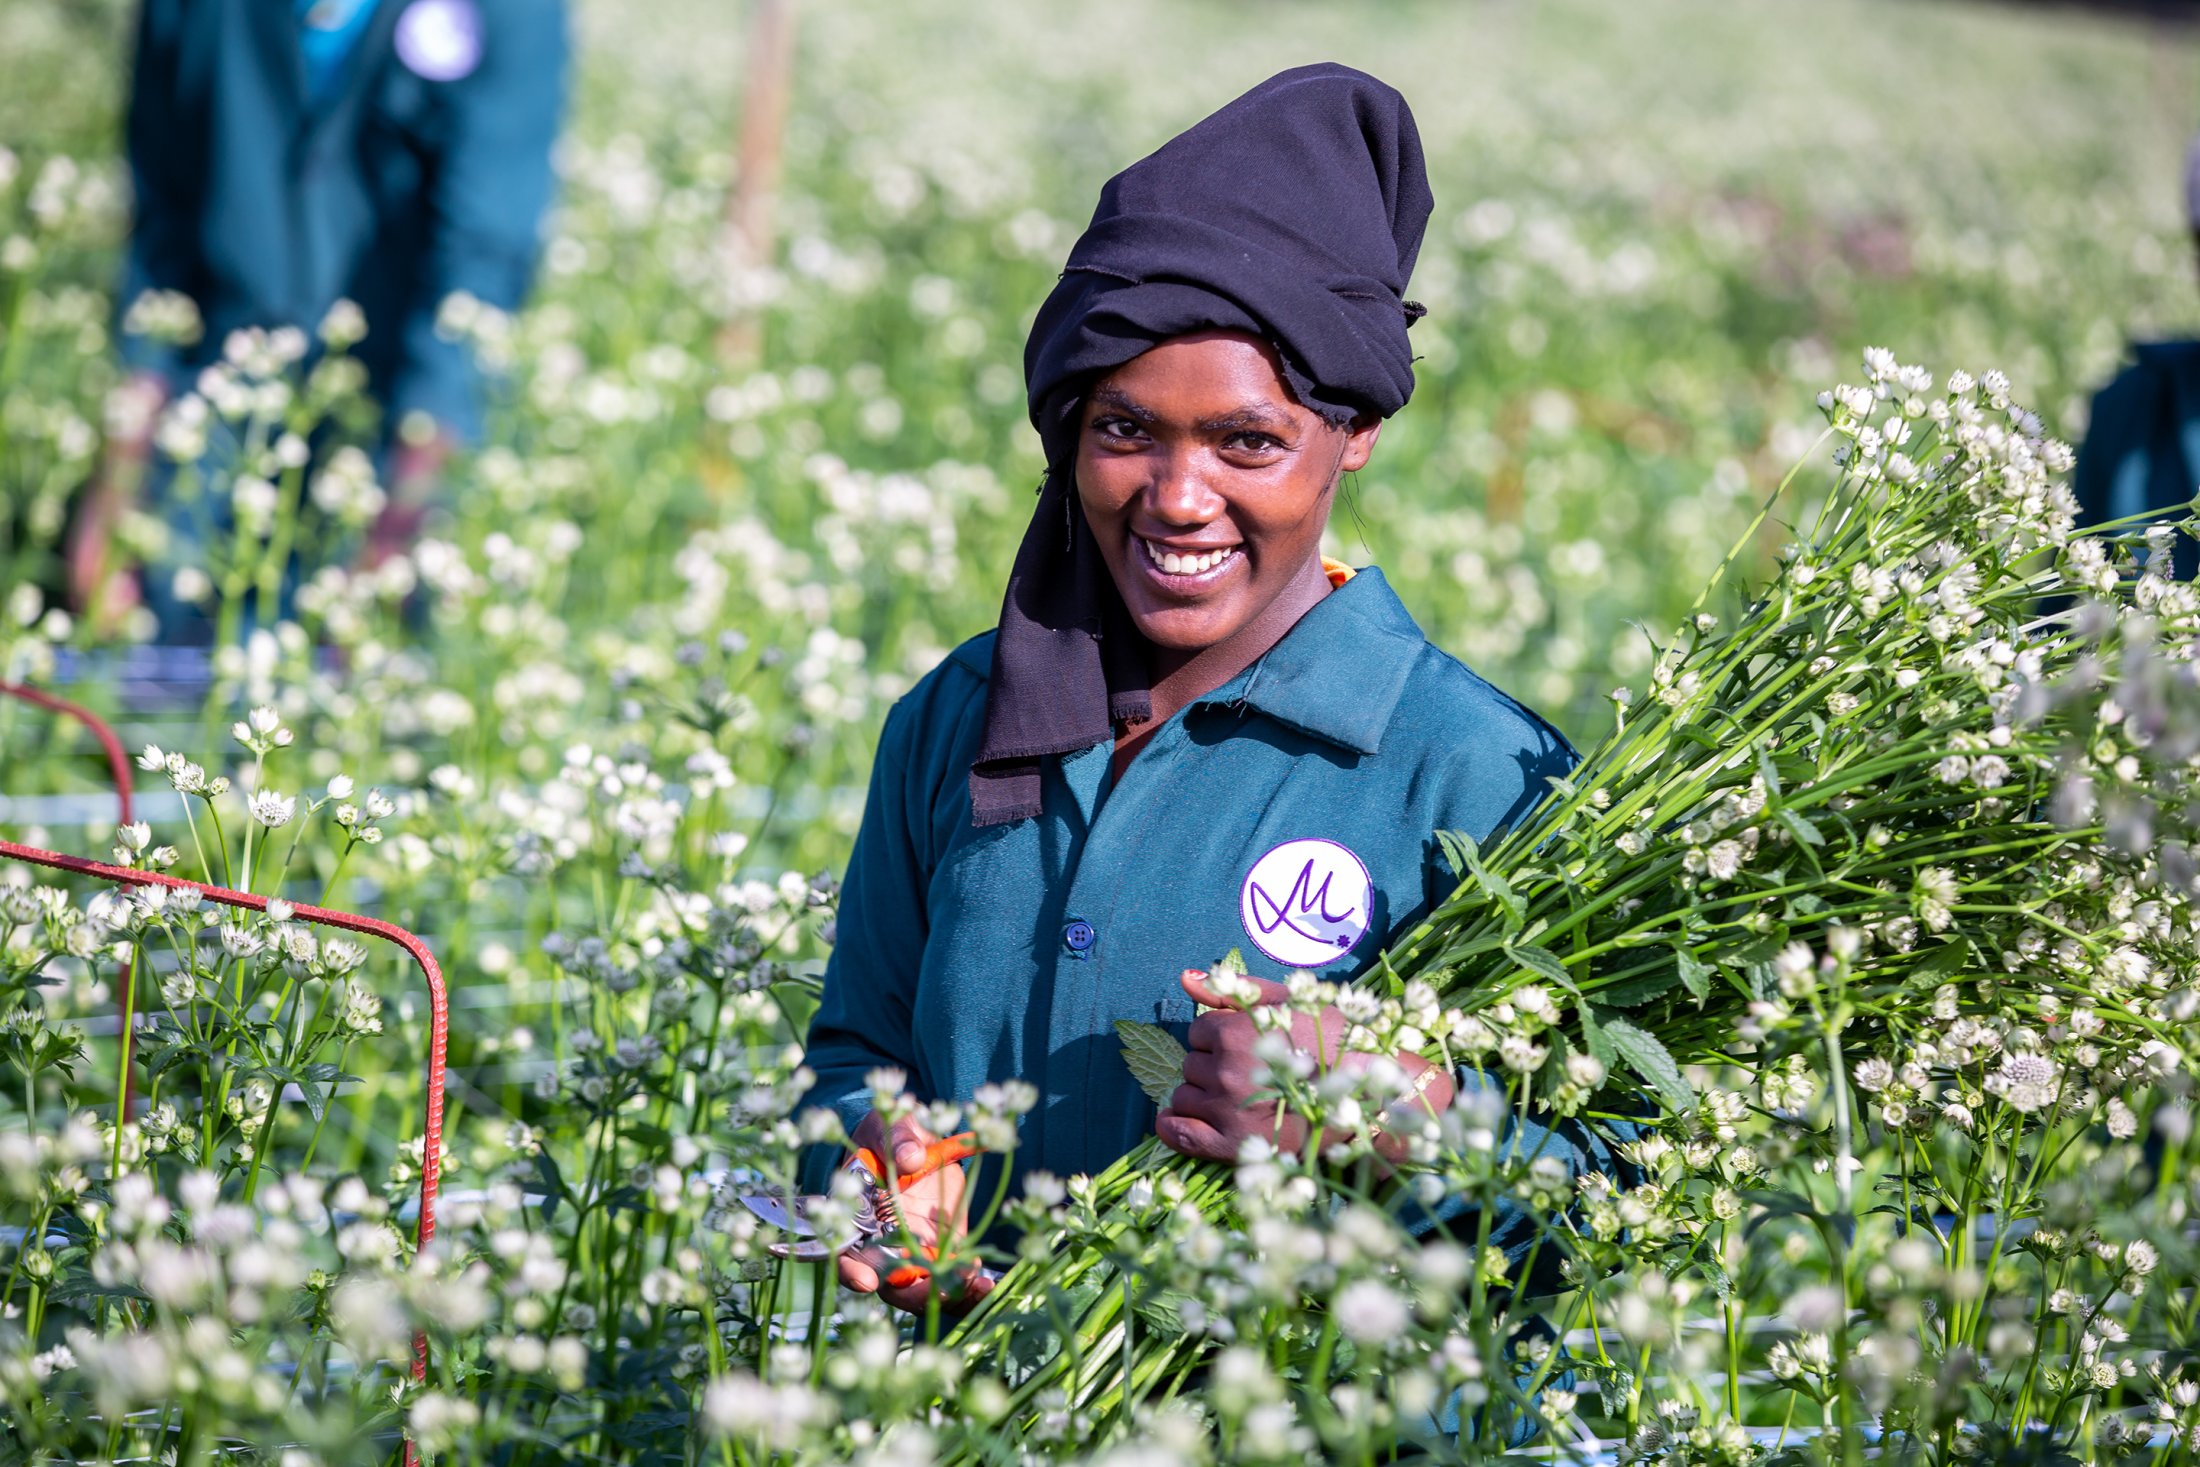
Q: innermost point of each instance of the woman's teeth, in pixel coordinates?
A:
(1170, 562)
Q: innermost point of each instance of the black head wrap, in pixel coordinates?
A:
(1294, 214)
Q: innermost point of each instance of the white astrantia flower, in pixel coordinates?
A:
(775, 1416)
(2026, 1082)
(340, 956)
(1520, 1055)
(271, 809)
(1369, 1312)
(1724, 859)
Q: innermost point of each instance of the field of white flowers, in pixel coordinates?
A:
(1867, 934)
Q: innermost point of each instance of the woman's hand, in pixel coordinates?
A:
(933, 1209)
(1213, 1113)
(103, 586)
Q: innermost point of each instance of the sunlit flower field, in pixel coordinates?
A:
(1867, 937)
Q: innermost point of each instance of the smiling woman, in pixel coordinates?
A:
(1207, 486)
(1189, 734)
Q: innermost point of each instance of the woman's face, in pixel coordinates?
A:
(1207, 484)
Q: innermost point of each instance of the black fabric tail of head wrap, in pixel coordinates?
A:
(1069, 666)
(1295, 214)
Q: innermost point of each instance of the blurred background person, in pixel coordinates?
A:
(290, 155)
(2141, 453)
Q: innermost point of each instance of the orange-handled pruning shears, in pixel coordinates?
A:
(876, 1215)
(947, 1152)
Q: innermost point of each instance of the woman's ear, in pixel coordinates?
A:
(1359, 447)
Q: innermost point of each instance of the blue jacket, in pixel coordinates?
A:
(424, 170)
(2142, 446)
(969, 955)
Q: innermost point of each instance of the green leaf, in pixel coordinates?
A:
(1757, 950)
(1803, 830)
(1636, 991)
(1455, 847)
(1650, 1059)
(158, 1061)
(551, 1183)
(1163, 1312)
(1944, 961)
(1694, 975)
(1460, 850)
(1392, 986)
(798, 1001)
(79, 1288)
(1772, 1205)
(1542, 961)
(1231, 963)
(1155, 1058)
(1452, 957)
(1597, 1036)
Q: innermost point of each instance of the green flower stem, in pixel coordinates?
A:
(275, 557)
(122, 1061)
(221, 840)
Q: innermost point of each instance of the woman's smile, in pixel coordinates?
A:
(1206, 484)
(1186, 570)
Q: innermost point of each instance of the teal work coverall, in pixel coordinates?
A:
(2142, 447)
(276, 174)
(968, 955)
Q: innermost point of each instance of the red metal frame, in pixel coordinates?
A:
(439, 1016)
(118, 768)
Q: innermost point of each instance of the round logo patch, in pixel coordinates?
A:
(440, 39)
(1306, 903)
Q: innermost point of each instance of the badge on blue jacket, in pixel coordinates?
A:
(440, 40)
(1306, 903)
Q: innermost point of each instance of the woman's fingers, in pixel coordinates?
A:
(899, 1284)
(860, 1268)
(909, 1140)
(933, 1207)
(870, 1133)
(1221, 1031)
(886, 1272)
(957, 1294)
(908, 1298)
(1193, 1137)
(1199, 988)
(903, 1143)
(1204, 1069)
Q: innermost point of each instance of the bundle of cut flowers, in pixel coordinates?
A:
(1858, 958)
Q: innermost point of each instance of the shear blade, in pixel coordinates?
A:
(807, 1250)
(790, 1214)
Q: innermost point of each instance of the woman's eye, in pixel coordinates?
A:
(1259, 443)
(1115, 427)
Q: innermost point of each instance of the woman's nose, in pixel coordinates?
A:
(1180, 494)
